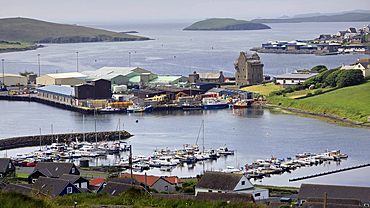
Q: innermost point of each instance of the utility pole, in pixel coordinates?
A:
(38, 59)
(77, 60)
(130, 163)
(129, 59)
(2, 61)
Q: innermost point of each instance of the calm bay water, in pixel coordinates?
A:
(176, 52)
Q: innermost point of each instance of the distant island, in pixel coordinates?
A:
(346, 17)
(33, 31)
(226, 24)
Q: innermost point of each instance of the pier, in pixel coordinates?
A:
(329, 172)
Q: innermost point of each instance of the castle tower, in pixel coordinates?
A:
(248, 70)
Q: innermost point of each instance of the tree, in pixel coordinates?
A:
(349, 78)
(330, 80)
(319, 68)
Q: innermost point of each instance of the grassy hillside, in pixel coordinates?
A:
(349, 102)
(36, 31)
(226, 24)
(349, 17)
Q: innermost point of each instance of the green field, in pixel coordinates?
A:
(349, 102)
(263, 89)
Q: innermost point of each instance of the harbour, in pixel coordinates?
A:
(244, 130)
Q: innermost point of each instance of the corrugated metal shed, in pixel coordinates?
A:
(296, 75)
(64, 91)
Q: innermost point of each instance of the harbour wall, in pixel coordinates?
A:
(36, 140)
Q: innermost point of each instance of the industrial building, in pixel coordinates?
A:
(206, 77)
(12, 79)
(72, 78)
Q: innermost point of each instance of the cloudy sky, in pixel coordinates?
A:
(85, 11)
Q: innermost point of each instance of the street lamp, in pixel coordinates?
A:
(2, 60)
(38, 58)
(77, 60)
(129, 59)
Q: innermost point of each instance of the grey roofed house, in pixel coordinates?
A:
(233, 198)
(346, 192)
(23, 188)
(221, 181)
(52, 170)
(77, 180)
(229, 183)
(115, 189)
(6, 167)
(55, 187)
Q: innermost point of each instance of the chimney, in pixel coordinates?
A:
(176, 181)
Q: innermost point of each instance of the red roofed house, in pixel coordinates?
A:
(159, 183)
(97, 184)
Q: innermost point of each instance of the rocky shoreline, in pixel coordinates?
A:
(336, 118)
(33, 141)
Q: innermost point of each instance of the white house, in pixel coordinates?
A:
(362, 64)
(219, 182)
(293, 78)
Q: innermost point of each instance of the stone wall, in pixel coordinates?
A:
(31, 141)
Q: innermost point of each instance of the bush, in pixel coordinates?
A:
(309, 94)
(295, 88)
(288, 90)
(318, 85)
(350, 77)
(367, 77)
(317, 92)
(330, 80)
(319, 68)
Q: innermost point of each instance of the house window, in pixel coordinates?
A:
(10, 165)
(69, 190)
(243, 183)
(166, 188)
(34, 180)
(257, 194)
(209, 190)
(219, 191)
(73, 170)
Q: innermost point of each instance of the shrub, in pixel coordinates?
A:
(367, 77)
(330, 80)
(350, 77)
(288, 90)
(317, 92)
(309, 94)
(319, 68)
(318, 85)
(295, 88)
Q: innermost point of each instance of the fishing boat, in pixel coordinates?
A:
(242, 104)
(213, 103)
(109, 109)
(192, 106)
(138, 109)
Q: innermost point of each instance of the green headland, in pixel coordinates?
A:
(16, 33)
(226, 24)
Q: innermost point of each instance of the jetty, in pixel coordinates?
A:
(329, 172)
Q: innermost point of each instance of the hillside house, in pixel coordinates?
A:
(362, 64)
(76, 180)
(307, 191)
(167, 184)
(52, 170)
(219, 182)
(55, 187)
(7, 168)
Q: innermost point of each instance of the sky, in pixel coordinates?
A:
(113, 11)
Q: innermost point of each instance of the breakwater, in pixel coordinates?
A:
(329, 172)
(37, 140)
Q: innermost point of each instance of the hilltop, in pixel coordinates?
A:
(347, 17)
(226, 24)
(35, 31)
